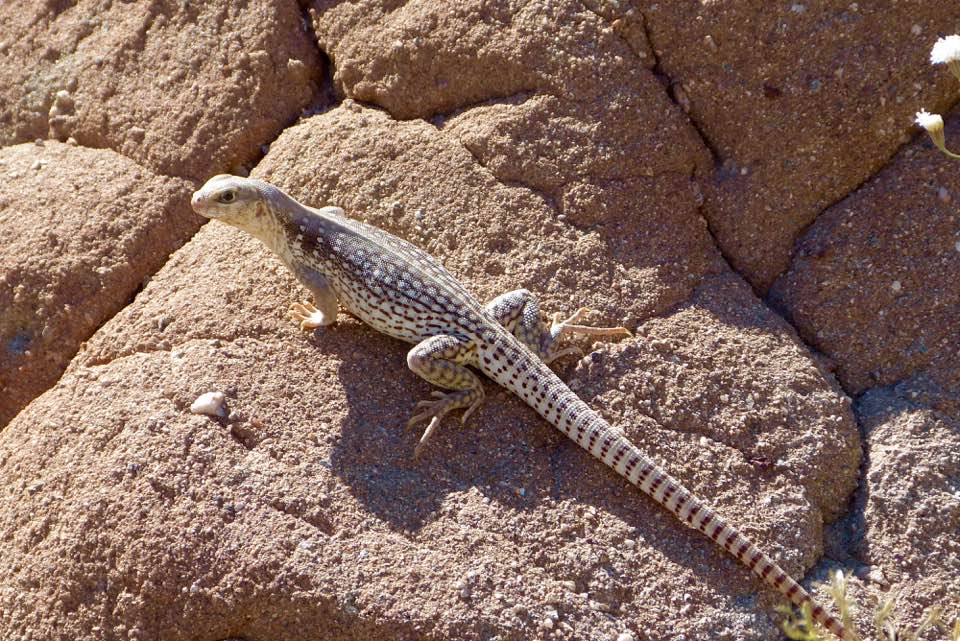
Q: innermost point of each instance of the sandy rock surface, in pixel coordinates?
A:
(799, 101)
(313, 464)
(873, 284)
(874, 287)
(911, 492)
(186, 88)
(82, 228)
(591, 152)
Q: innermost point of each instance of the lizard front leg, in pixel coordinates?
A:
(324, 313)
(519, 312)
(442, 360)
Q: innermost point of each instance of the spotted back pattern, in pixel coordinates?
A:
(388, 283)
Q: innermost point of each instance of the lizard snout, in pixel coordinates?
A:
(200, 203)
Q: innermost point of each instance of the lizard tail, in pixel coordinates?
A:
(623, 456)
(553, 400)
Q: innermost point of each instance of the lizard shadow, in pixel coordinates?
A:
(373, 452)
(507, 453)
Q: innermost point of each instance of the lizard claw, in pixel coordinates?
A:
(559, 327)
(570, 351)
(435, 411)
(431, 428)
(308, 316)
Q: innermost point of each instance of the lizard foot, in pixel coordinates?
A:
(434, 411)
(308, 316)
(569, 326)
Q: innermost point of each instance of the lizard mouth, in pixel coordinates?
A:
(201, 204)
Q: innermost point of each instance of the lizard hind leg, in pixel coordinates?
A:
(519, 312)
(442, 360)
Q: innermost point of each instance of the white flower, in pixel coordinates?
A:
(946, 50)
(930, 122)
(933, 123)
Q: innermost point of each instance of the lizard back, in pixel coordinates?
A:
(385, 281)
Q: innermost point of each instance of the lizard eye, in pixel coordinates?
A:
(227, 197)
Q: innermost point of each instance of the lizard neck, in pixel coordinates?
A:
(265, 220)
(266, 228)
(290, 229)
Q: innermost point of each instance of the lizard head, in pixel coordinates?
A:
(232, 199)
(252, 205)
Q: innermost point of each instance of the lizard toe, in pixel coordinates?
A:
(307, 316)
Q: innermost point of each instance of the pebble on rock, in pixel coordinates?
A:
(211, 404)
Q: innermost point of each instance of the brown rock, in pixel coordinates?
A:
(303, 510)
(560, 146)
(800, 101)
(908, 509)
(874, 283)
(540, 96)
(186, 88)
(81, 230)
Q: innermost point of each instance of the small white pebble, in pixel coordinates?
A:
(877, 576)
(72, 141)
(798, 8)
(626, 636)
(944, 195)
(896, 286)
(210, 404)
(916, 30)
(956, 245)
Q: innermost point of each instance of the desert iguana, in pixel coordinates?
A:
(402, 291)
